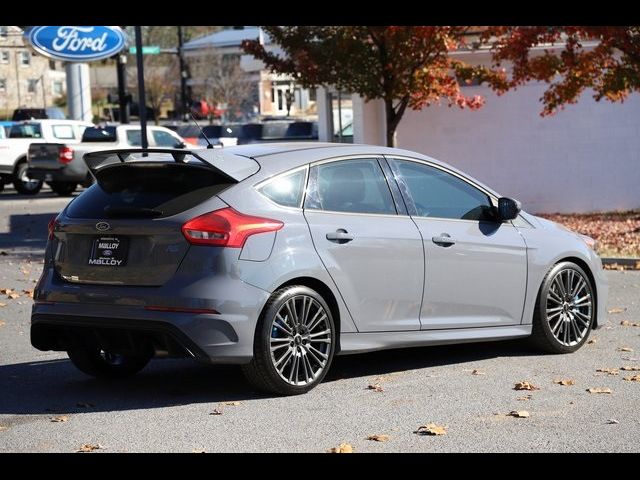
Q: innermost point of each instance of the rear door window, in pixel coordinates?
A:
(165, 139)
(354, 186)
(134, 138)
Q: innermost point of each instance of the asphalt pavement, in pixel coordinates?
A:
(170, 406)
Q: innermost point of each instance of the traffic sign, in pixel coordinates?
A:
(148, 50)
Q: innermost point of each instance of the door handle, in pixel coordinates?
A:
(340, 236)
(444, 240)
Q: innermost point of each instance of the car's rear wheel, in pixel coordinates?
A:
(565, 309)
(24, 184)
(104, 364)
(64, 189)
(294, 344)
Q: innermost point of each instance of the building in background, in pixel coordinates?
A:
(583, 159)
(27, 80)
(272, 95)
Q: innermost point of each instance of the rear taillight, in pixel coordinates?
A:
(226, 228)
(52, 226)
(65, 155)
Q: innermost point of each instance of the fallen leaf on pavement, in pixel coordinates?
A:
(431, 429)
(2, 324)
(232, 404)
(5, 291)
(612, 421)
(592, 341)
(13, 295)
(376, 387)
(599, 390)
(526, 397)
(379, 438)
(85, 405)
(519, 414)
(3, 253)
(625, 349)
(216, 411)
(28, 293)
(631, 368)
(198, 450)
(3, 427)
(342, 448)
(63, 418)
(89, 447)
(635, 378)
(616, 310)
(478, 372)
(610, 371)
(627, 323)
(525, 386)
(3, 304)
(565, 382)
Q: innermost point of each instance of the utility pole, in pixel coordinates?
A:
(183, 76)
(44, 94)
(142, 101)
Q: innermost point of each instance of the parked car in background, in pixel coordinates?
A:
(61, 165)
(278, 131)
(224, 135)
(278, 257)
(5, 127)
(53, 113)
(14, 149)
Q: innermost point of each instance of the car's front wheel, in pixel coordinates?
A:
(294, 343)
(103, 364)
(565, 309)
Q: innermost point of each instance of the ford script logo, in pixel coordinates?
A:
(102, 226)
(77, 44)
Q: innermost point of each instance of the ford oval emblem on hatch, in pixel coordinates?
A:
(102, 226)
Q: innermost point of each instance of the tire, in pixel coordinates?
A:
(64, 189)
(101, 364)
(557, 328)
(276, 372)
(22, 184)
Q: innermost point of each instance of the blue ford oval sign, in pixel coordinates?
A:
(77, 44)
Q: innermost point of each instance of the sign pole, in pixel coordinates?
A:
(142, 109)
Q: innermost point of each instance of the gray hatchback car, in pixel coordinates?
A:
(280, 256)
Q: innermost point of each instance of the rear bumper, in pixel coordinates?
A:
(80, 310)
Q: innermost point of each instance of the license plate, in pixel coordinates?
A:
(109, 251)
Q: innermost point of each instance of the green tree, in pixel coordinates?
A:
(405, 66)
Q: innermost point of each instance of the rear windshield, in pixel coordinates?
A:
(220, 131)
(26, 130)
(147, 190)
(99, 134)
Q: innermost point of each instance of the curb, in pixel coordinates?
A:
(626, 263)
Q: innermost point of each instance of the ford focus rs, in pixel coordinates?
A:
(278, 257)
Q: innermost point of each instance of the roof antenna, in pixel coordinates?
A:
(209, 145)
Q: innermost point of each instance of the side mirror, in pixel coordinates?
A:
(508, 208)
(180, 145)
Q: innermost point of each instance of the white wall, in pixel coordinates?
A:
(585, 158)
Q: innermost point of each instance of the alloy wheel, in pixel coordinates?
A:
(301, 339)
(569, 307)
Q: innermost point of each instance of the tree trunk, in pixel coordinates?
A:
(394, 116)
(391, 123)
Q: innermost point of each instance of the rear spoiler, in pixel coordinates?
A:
(234, 167)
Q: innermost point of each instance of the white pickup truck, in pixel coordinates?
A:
(14, 148)
(62, 166)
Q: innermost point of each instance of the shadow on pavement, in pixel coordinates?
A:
(57, 387)
(26, 231)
